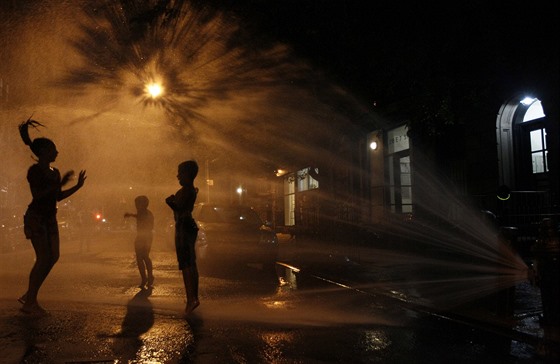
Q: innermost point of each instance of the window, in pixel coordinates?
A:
(289, 200)
(535, 110)
(400, 184)
(399, 170)
(539, 153)
(305, 179)
(406, 185)
(302, 180)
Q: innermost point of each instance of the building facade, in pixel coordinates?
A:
(383, 172)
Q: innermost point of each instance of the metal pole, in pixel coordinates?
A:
(207, 182)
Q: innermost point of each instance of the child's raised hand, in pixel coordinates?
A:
(81, 178)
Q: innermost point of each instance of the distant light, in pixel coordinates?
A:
(528, 101)
(154, 90)
(373, 146)
(239, 190)
(280, 172)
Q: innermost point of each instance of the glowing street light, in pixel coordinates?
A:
(528, 100)
(240, 191)
(280, 172)
(154, 90)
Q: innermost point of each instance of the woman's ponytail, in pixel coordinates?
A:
(24, 130)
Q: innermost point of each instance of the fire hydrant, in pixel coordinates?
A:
(547, 277)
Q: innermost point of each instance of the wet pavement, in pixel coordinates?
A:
(322, 313)
(89, 332)
(521, 324)
(96, 313)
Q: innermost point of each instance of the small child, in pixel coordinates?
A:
(143, 241)
(186, 230)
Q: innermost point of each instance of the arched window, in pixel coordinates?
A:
(537, 135)
(522, 145)
(534, 110)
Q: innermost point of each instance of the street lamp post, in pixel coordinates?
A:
(208, 182)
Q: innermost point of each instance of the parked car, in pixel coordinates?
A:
(233, 234)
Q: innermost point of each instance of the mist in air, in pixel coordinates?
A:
(228, 97)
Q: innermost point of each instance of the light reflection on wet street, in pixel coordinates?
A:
(246, 316)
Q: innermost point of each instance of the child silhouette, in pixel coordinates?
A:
(186, 230)
(143, 242)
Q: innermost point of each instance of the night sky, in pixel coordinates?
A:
(386, 50)
(428, 60)
(389, 50)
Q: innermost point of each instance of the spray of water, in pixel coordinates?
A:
(450, 254)
(226, 96)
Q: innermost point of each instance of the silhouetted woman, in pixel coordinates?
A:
(40, 224)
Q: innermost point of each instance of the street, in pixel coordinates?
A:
(98, 315)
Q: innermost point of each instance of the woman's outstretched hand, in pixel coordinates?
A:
(69, 192)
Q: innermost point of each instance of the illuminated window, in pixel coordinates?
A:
(302, 180)
(305, 179)
(289, 200)
(539, 153)
(399, 171)
(535, 110)
(400, 184)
